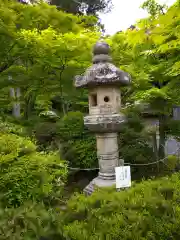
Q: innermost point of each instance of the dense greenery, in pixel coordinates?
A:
(26, 174)
(78, 144)
(42, 132)
(44, 48)
(149, 210)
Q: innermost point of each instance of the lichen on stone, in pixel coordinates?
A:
(102, 72)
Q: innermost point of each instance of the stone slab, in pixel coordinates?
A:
(98, 183)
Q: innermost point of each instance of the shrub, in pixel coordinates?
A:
(26, 174)
(171, 163)
(11, 146)
(135, 146)
(173, 128)
(45, 129)
(149, 210)
(78, 144)
(8, 127)
(71, 126)
(45, 132)
(81, 153)
(31, 221)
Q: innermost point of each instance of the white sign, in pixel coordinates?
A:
(123, 177)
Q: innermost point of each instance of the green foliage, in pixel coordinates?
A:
(171, 162)
(45, 132)
(150, 54)
(149, 210)
(135, 146)
(13, 145)
(173, 128)
(81, 153)
(153, 8)
(43, 49)
(30, 221)
(26, 174)
(71, 126)
(155, 45)
(68, 135)
(38, 16)
(79, 145)
(8, 127)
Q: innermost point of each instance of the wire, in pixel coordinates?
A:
(129, 164)
(152, 163)
(83, 169)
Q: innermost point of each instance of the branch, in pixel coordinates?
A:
(5, 66)
(11, 48)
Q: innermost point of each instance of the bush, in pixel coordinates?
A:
(11, 146)
(45, 133)
(31, 221)
(71, 126)
(78, 144)
(135, 146)
(171, 163)
(8, 127)
(149, 210)
(26, 174)
(81, 153)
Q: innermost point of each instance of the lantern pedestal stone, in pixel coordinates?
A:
(98, 183)
(108, 156)
(104, 80)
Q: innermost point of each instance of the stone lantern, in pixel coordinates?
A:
(104, 81)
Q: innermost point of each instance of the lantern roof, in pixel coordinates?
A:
(102, 72)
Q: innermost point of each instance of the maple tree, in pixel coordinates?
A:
(40, 56)
(150, 53)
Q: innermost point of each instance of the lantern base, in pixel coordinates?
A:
(98, 182)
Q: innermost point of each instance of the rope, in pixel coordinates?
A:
(152, 163)
(129, 164)
(83, 169)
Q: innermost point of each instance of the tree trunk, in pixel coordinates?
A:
(155, 146)
(61, 92)
(162, 136)
(15, 94)
(29, 105)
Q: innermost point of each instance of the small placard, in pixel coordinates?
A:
(123, 177)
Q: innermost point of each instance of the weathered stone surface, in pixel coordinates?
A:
(101, 48)
(108, 154)
(102, 72)
(98, 183)
(104, 80)
(105, 123)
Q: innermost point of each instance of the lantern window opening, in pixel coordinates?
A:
(93, 100)
(106, 99)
